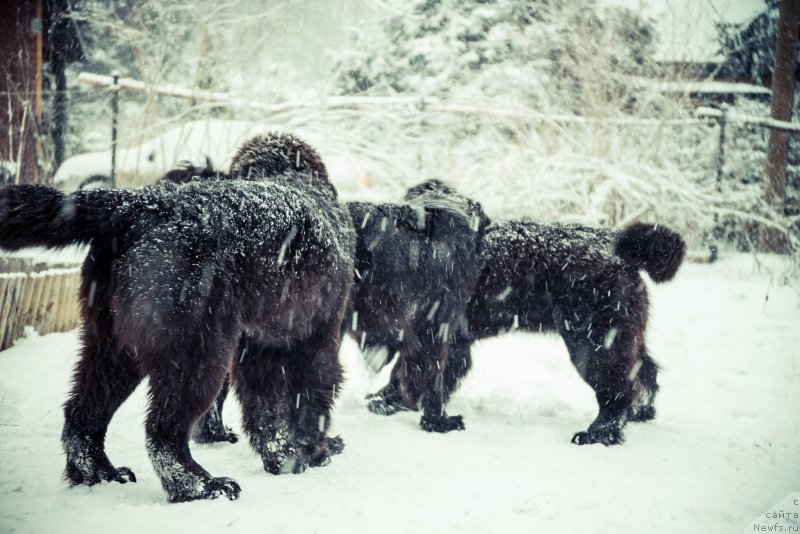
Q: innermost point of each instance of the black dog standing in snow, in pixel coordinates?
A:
(179, 281)
(417, 264)
(584, 284)
(416, 267)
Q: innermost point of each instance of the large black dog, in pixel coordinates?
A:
(416, 267)
(584, 284)
(183, 283)
(417, 264)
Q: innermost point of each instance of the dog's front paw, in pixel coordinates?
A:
(442, 424)
(124, 475)
(335, 445)
(320, 455)
(222, 487)
(281, 456)
(205, 488)
(85, 477)
(605, 435)
(379, 405)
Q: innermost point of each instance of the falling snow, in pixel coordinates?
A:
(727, 460)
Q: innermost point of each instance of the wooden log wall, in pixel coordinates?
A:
(40, 296)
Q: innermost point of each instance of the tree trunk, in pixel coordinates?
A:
(20, 92)
(782, 94)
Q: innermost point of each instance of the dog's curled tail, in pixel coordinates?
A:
(38, 215)
(656, 249)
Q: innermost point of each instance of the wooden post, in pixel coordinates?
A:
(41, 302)
(723, 123)
(15, 311)
(11, 309)
(68, 295)
(782, 94)
(52, 302)
(30, 290)
(72, 305)
(5, 280)
(114, 114)
(33, 305)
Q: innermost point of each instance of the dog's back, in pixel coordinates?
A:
(412, 256)
(259, 252)
(536, 275)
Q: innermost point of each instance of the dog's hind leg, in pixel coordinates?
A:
(424, 375)
(105, 376)
(287, 393)
(317, 377)
(261, 384)
(608, 372)
(210, 428)
(183, 385)
(646, 374)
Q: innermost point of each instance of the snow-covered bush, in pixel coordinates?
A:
(545, 109)
(539, 109)
(204, 45)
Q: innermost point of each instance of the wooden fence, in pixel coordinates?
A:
(38, 295)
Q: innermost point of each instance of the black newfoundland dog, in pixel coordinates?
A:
(584, 284)
(184, 283)
(416, 268)
(417, 264)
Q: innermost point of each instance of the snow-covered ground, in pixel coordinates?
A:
(724, 447)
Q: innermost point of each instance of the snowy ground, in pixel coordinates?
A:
(724, 447)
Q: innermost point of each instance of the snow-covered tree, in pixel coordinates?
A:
(749, 48)
(450, 48)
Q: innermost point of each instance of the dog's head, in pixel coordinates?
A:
(276, 154)
(438, 197)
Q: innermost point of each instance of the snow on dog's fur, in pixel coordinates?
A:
(416, 267)
(417, 264)
(183, 283)
(584, 284)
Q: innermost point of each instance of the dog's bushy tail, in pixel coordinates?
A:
(656, 249)
(38, 215)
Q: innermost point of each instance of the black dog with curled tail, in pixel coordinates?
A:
(583, 283)
(183, 283)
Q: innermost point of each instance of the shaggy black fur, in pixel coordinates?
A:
(584, 284)
(210, 428)
(416, 268)
(417, 264)
(179, 281)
